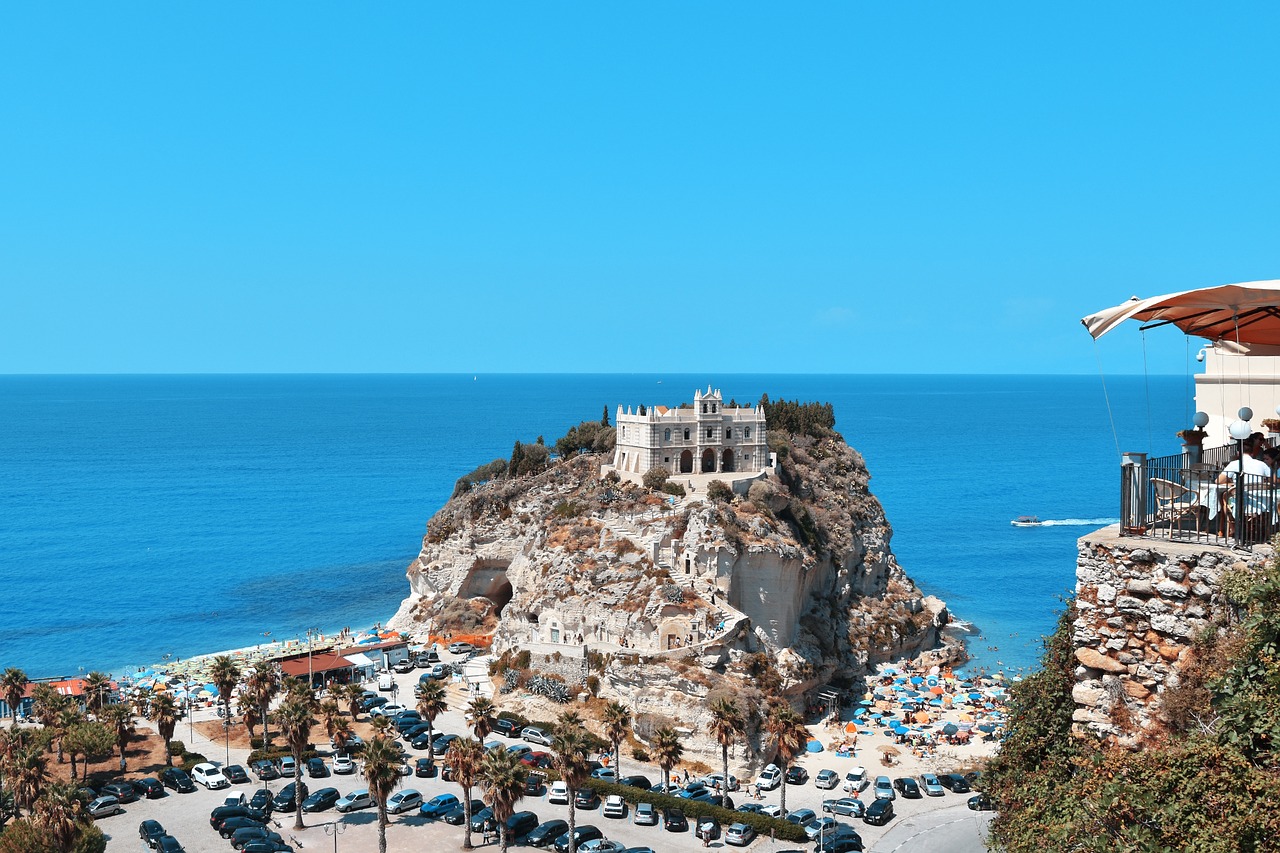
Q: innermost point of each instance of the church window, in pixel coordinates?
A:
(713, 408)
(666, 434)
(728, 433)
(704, 408)
(710, 433)
(686, 435)
(746, 432)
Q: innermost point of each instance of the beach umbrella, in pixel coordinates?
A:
(937, 690)
(1242, 313)
(888, 670)
(975, 696)
(950, 729)
(888, 749)
(860, 712)
(865, 701)
(851, 727)
(936, 703)
(965, 726)
(916, 679)
(814, 745)
(987, 727)
(877, 716)
(966, 718)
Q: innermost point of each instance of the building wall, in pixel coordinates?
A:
(658, 438)
(1230, 381)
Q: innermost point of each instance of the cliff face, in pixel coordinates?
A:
(688, 595)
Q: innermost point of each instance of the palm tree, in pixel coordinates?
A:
(330, 713)
(14, 683)
(119, 717)
(341, 734)
(295, 719)
(569, 754)
(92, 740)
(381, 725)
(726, 724)
(504, 777)
(96, 687)
(464, 757)
(483, 716)
(432, 702)
(788, 735)
(569, 719)
(165, 714)
(668, 750)
(47, 704)
(58, 811)
(617, 722)
(225, 673)
(263, 685)
(352, 693)
(28, 773)
(382, 773)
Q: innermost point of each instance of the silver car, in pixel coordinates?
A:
(884, 789)
(931, 785)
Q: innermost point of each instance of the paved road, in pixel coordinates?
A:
(951, 830)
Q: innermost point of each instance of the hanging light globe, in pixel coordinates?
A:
(1201, 419)
(1245, 413)
(1240, 430)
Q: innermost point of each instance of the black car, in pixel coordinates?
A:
(263, 846)
(371, 702)
(149, 788)
(230, 825)
(907, 787)
(287, 798)
(150, 831)
(266, 770)
(507, 728)
(673, 820)
(245, 834)
(879, 813)
(321, 800)
(582, 834)
(415, 731)
(169, 844)
(457, 816)
(974, 778)
(122, 791)
(317, 769)
(482, 821)
(222, 814)
(424, 768)
(177, 779)
(841, 844)
(954, 782)
(980, 803)
(641, 782)
(586, 798)
(261, 800)
(797, 775)
(708, 829)
(545, 834)
(235, 774)
(520, 823)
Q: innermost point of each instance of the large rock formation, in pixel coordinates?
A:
(791, 586)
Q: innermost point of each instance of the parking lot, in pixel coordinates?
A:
(186, 816)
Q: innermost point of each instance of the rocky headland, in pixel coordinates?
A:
(778, 583)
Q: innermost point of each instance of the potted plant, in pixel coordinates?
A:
(1195, 435)
(1192, 445)
(1272, 424)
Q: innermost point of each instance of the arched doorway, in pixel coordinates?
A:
(726, 460)
(686, 462)
(708, 460)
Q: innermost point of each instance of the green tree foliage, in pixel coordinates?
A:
(655, 477)
(604, 418)
(813, 419)
(527, 459)
(480, 476)
(718, 490)
(587, 437)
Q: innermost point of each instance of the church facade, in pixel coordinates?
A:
(704, 438)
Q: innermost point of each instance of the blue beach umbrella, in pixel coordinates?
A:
(860, 712)
(950, 729)
(987, 727)
(814, 746)
(916, 679)
(936, 703)
(975, 696)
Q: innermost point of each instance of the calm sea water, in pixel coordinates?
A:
(151, 515)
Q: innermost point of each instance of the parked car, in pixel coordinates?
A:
(150, 832)
(855, 780)
(980, 803)
(841, 844)
(708, 829)
(545, 834)
(538, 758)
(424, 768)
(884, 789)
(230, 825)
(581, 835)
(559, 793)
(357, 799)
(288, 767)
(321, 800)
(208, 774)
(428, 657)
(521, 823)
(483, 820)
(245, 834)
(602, 845)
(286, 798)
(821, 827)
(169, 844)
(404, 800)
(751, 808)
(879, 812)
(615, 806)
(261, 800)
(267, 847)
(461, 648)
(435, 808)
(717, 780)
(368, 703)
(104, 807)
(222, 815)
(605, 774)
(519, 750)
(149, 788)
(772, 810)
(403, 666)
(317, 769)
(386, 711)
(457, 815)
(646, 815)
(802, 817)
(343, 765)
(124, 792)
(265, 770)
(506, 727)
(586, 798)
(932, 786)
(974, 780)
(533, 734)
(235, 774)
(954, 782)
(636, 781)
(826, 779)
(797, 775)
(770, 777)
(693, 790)
(739, 834)
(907, 787)
(673, 820)
(847, 806)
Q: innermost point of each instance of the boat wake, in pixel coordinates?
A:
(1077, 522)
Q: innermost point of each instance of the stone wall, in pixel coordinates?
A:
(1140, 605)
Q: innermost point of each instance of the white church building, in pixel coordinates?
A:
(704, 438)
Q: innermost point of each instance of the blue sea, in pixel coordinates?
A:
(143, 516)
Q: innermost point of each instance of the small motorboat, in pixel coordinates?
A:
(1026, 521)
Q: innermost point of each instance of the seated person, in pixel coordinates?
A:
(1251, 463)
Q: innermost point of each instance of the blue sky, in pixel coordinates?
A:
(733, 187)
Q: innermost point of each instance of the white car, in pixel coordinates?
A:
(355, 800)
(615, 806)
(210, 776)
(773, 810)
(342, 764)
(602, 845)
(715, 779)
(558, 793)
(535, 735)
(770, 777)
(403, 801)
(855, 780)
(387, 710)
(104, 807)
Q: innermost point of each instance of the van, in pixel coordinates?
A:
(384, 681)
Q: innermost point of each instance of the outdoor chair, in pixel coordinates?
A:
(1175, 502)
(1259, 504)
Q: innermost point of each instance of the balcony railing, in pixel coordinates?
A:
(1179, 498)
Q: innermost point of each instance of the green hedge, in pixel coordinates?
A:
(278, 752)
(191, 759)
(762, 824)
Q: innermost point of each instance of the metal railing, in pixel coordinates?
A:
(1180, 498)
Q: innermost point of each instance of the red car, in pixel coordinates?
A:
(536, 759)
